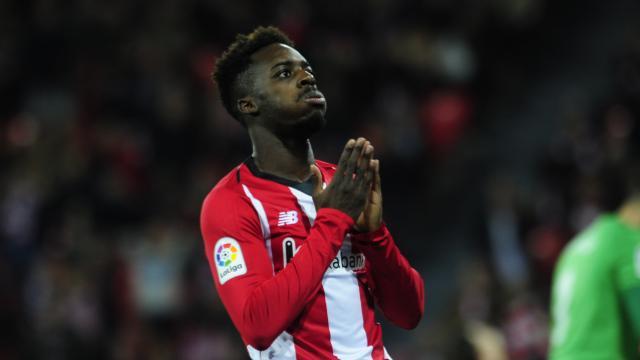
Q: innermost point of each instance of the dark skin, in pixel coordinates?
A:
(283, 109)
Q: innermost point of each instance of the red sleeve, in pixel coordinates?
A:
(262, 305)
(397, 287)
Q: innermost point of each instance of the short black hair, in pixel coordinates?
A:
(237, 58)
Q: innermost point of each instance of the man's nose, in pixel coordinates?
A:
(306, 79)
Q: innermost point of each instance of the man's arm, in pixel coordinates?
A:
(261, 304)
(631, 299)
(627, 277)
(397, 287)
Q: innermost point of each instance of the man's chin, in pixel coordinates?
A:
(308, 124)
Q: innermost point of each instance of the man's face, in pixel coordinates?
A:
(285, 91)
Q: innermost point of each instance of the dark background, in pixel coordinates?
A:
(501, 126)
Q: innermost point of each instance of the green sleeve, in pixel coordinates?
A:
(628, 279)
(628, 269)
(631, 300)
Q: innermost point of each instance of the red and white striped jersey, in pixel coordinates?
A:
(296, 283)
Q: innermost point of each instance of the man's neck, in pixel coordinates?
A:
(630, 213)
(286, 158)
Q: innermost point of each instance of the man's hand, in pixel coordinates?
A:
(371, 218)
(350, 187)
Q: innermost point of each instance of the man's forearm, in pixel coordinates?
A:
(272, 305)
(397, 287)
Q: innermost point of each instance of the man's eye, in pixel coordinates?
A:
(284, 74)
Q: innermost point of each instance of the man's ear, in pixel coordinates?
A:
(247, 106)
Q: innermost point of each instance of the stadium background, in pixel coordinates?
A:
(500, 126)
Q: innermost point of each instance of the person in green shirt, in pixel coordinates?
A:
(595, 301)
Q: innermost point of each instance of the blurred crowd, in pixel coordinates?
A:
(112, 133)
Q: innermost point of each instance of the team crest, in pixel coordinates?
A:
(229, 260)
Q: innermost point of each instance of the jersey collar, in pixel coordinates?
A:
(306, 186)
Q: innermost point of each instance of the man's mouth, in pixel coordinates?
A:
(314, 98)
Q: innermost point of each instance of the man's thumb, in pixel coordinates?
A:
(316, 177)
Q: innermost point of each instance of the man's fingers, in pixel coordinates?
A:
(376, 170)
(316, 175)
(344, 157)
(365, 161)
(368, 178)
(367, 155)
(352, 163)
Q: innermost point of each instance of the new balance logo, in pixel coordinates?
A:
(287, 218)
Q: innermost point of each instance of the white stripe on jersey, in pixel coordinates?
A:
(283, 346)
(344, 312)
(342, 296)
(306, 203)
(264, 222)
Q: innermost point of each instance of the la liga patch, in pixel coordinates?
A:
(227, 255)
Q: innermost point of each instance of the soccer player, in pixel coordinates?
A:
(595, 302)
(297, 246)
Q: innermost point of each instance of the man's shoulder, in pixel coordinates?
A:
(615, 236)
(603, 244)
(227, 208)
(228, 189)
